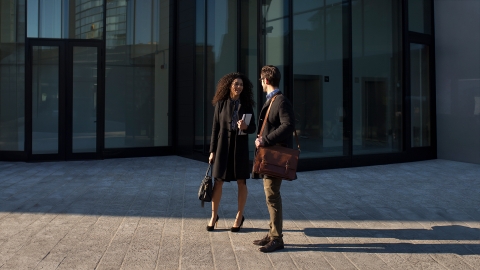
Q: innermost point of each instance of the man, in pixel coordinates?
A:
(278, 130)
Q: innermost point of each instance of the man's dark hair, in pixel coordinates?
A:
(272, 74)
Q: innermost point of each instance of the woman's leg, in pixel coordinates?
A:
(242, 200)
(217, 195)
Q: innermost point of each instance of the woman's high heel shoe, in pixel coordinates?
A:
(237, 229)
(211, 228)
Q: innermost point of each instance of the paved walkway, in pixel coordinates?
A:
(142, 213)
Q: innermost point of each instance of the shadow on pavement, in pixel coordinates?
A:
(452, 232)
(437, 233)
(460, 249)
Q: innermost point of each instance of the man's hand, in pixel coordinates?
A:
(259, 141)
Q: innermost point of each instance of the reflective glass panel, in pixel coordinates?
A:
(377, 76)
(12, 74)
(45, 105)
(201, 101)
(419, 16)
(318, 77)
(248, 54)
(80, 19)
(420, 95)
(136, 74)
(216, 55)
(275, 32)
(221, 48)
(84, 87)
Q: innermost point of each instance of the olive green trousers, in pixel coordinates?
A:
(271, 185)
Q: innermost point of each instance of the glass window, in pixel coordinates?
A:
(420, 95)
(84, 97)
(248, 54)
(136, 74)
(377, 76)
(201, 101)
(78, 19)
(45, 104)
(419, 16)
(216, 56)
(275, 30)
(318, 77)
(12, 74)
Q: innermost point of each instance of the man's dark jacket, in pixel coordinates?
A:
(280, 124)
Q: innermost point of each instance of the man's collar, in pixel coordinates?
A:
(273, 93)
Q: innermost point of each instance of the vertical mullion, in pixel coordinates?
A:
(324, 30)
(28, 99)
(260, 51)
(433, 80)
(239, 38)
(62, 99)
(39, 19)
(102, 59)
(290, 51)
(406, 80)
(347, 79)
(204, 76)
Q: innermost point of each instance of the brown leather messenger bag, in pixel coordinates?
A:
(276, 160)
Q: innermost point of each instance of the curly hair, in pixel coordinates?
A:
(223, 89)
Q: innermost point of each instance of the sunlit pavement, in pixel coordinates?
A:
(143, 213)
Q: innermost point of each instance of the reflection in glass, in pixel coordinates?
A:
(136, 75)
(419, 16)
(216, 49)
(420, 95)
(318, 77)
(377, 77)
(275, 32)
(221, 48)
(80, 19)
(45, 91)
(12, 74)
(248, 53)
(201, 101)
(84, 100)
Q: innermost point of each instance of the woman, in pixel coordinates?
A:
(229, 150)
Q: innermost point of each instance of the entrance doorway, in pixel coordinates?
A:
(64, 90)
(374, 95)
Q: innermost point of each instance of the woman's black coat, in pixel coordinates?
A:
(220, 141)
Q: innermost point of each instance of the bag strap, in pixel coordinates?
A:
(208, 170)
(266, 118)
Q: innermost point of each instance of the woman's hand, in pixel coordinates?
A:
(241, 125)
(211, 158)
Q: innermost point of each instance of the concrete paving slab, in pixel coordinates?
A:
(143, 213)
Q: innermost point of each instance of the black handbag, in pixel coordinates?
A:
(205, 192)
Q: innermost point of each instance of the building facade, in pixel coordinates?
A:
(457, 24)
(90, 79)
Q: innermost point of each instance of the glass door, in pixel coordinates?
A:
(82, 99)
(64, 79)
(46, 95)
